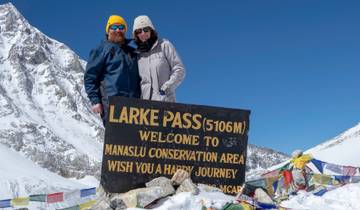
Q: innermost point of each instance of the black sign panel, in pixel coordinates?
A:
(147, 139)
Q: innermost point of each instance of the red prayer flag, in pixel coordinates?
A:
(55, 197)
(288, 177)
(349, 171)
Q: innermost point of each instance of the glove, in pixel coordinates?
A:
(162, 93)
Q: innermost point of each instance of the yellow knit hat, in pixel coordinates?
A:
(115, 19)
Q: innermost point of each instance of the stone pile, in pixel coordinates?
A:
(155, 193)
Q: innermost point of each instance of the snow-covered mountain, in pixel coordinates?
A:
(259, 159)
(44, 111)
(342, 150)
(262, 158)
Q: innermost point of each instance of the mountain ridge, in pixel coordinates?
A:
(44, 108)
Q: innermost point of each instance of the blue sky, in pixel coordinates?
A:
(294, 64)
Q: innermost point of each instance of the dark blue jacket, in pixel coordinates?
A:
(113, 69)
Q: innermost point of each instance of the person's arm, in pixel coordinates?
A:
(177, 69)
(92, 78)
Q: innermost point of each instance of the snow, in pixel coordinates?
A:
(22, 177)
(341, 150)
(87, 180)
(187, 201)
(344, 198)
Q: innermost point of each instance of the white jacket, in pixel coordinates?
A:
(160, 69)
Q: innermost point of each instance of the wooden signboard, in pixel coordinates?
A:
(147, 139)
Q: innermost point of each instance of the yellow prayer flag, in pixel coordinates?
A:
(20, 201)
(246, 206)
(87, 204)
(269, 184)
(321, 179)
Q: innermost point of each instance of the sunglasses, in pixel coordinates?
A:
(115, 27)
(138, 31)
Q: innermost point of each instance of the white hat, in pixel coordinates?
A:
(142, 21)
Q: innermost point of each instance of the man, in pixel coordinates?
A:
(112, 68)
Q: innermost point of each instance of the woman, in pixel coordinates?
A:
(160, 67)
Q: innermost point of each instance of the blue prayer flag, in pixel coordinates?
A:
(334, 168)
(320, 192)
(88, 192)
(266, 205)
(5, 203)
(318, 164)
(343, 179)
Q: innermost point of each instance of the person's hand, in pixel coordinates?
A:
(162, 92)
(97, 108)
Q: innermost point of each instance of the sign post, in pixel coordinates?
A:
(148, 139)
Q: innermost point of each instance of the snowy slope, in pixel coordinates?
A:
(22, 177)
(343, 198)
(342, 150)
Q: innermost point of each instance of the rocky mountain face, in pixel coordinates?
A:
(260, 158)
(44, 111)
(263, 158)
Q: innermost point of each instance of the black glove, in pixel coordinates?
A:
(162, 93)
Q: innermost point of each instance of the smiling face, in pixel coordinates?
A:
(116, 33)
(143, 34)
